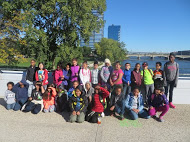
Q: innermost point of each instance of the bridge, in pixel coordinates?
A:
(154, 54)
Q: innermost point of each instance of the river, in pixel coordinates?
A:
(184, 66)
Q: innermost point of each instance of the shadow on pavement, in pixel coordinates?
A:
(2, 102)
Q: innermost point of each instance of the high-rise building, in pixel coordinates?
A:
(114, 32)
(96, 37)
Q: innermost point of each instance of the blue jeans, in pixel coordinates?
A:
(143, 114)
(120, 109)
(170, 87)
(10, 106)
(126, 89)
(19, 104)
(34, 108)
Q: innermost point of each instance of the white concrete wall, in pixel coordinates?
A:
(181, 93)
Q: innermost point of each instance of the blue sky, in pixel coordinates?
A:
(151, 25)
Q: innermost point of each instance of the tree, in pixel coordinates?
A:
(108, 48)
(54, 24)
(10, 40)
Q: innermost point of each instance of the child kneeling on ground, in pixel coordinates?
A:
(9, 96)
(158, 102)
(35, 102)
(61, 99)
(49, 98)
(134, 104)
(78, 105)
(21, 93)
(98, 102)
(117, 106)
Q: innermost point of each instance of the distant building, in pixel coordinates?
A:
(96, 37)
(185, 52)
(114, 32)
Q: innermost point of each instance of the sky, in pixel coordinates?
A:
(151, 25)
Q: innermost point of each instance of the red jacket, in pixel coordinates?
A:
(97, 105)
(45, 77)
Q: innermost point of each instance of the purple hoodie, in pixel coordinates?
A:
(74, 70)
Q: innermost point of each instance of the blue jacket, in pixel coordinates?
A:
(67, 75)
(70, 91)
(127, 76)
(21, 93)
(130, 100)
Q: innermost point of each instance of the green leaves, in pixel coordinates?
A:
(53, 28)
(108, 48)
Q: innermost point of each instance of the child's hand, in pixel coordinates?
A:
(76, 74)
(78, 113)
(30, 98)
(74, 113)
(151, 107)
(135, 110)
(90, 98)
(112, 108)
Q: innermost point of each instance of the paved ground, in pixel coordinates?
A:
(19, 126)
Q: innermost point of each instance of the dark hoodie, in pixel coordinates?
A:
(21, 93)
(31, 73)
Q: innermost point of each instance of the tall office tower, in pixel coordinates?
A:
(114, 32)
(96, 37)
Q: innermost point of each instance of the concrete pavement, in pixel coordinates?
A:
(19, 126)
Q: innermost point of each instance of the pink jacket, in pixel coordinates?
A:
(56, 77)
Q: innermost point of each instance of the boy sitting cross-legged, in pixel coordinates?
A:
(134, 104)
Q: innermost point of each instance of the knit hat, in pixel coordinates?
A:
(107, 61)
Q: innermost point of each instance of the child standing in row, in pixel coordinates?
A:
(105, 73)
(85, 74)
(136, 77)
(158, 76)
(30, 76)
(127, 79)
(116, 76)
(66, 76)
(171, 74)
(9, 96)
(57, 74)
(147, 77)
(42, 75)
(95, 73)
(74, 71)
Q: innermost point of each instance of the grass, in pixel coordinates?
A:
(24, 65)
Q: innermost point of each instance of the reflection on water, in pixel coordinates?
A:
(184, 66)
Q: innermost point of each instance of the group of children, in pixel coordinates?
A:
(92, 94)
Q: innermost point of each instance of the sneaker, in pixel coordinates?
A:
(161, 119)
(171, 105)
(154, 117)
(103, 115)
